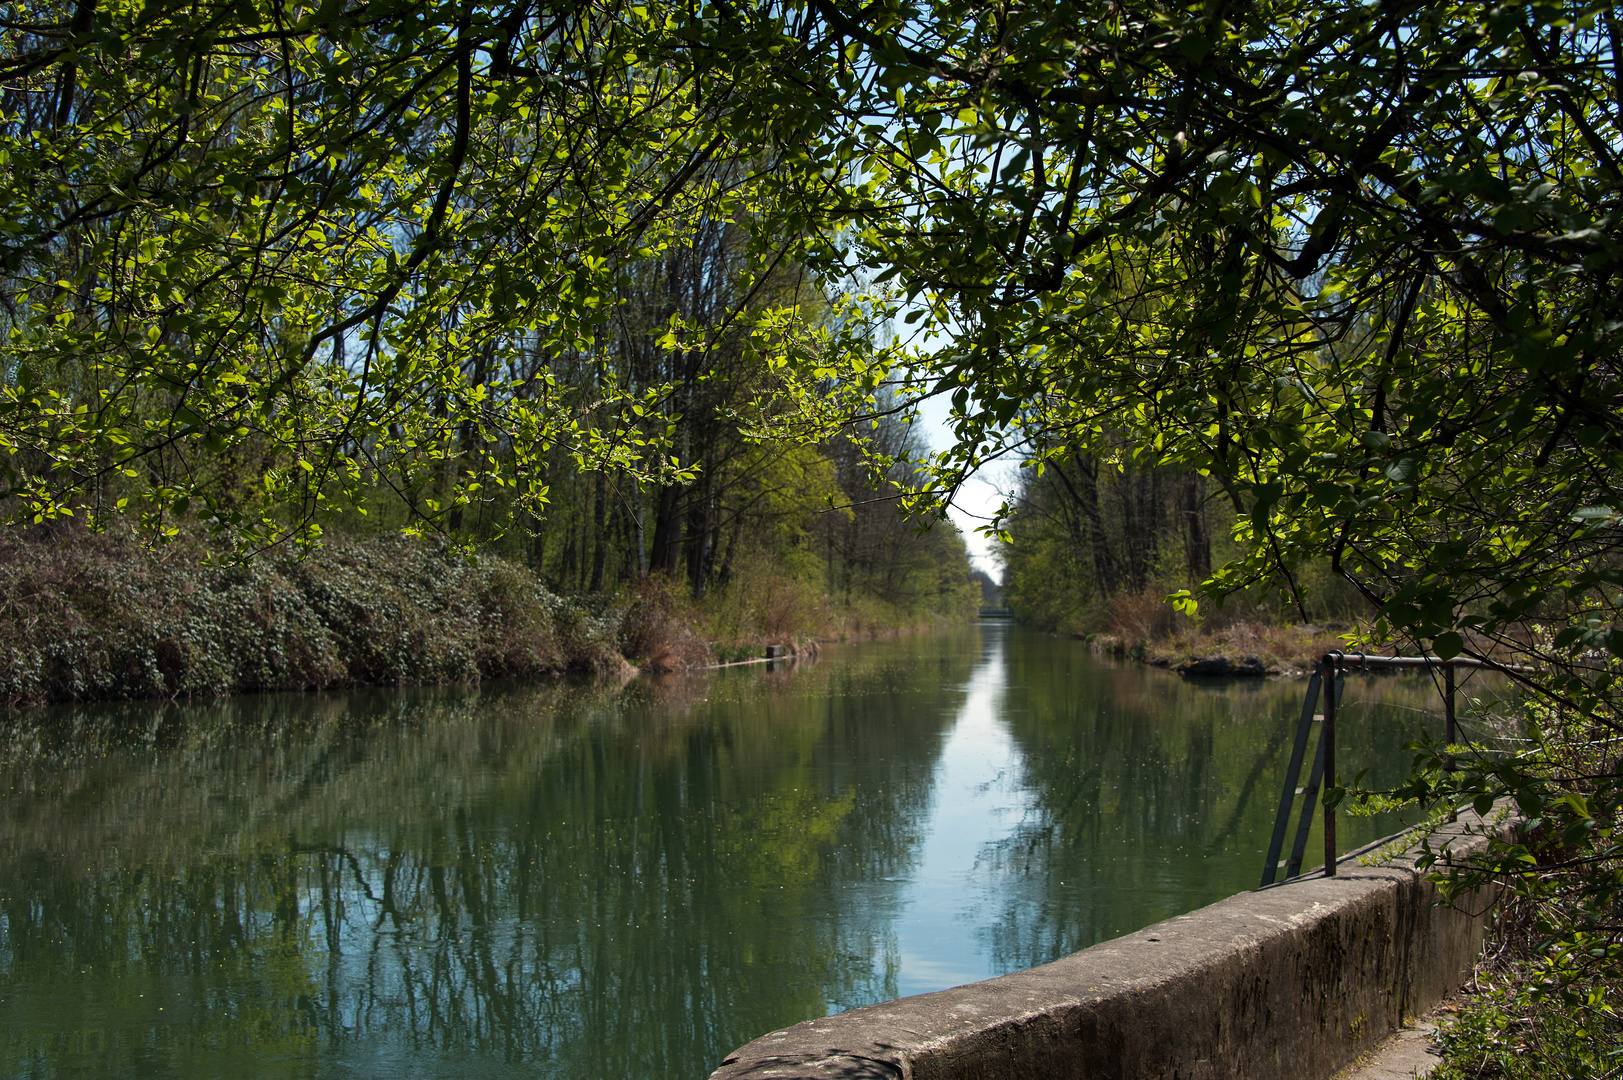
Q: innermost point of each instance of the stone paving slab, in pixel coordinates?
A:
(1407, 1055)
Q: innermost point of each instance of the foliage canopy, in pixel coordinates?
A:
(262, 258)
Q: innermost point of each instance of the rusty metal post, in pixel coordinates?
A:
(1327, 738)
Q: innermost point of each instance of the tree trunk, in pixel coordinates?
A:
(667, 555)
(637, 534)
(1197, 543)
(703, 536)
(600, 522)
(1085, 492)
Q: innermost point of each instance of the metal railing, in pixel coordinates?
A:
(1327, 681)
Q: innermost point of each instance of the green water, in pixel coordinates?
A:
(573, 881)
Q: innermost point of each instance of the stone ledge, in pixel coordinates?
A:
(1291, 982)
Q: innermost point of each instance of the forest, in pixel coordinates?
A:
(1319, 300)
(326, 290)
(1098, 541)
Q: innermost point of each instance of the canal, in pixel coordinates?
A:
(561, 880)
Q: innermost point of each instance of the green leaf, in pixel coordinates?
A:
(1194, 47)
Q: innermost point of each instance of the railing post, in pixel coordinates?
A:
(1288, 792)
(1448, 713)
(1332, 664)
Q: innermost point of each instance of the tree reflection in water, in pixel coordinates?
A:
(1153, 796)
(564, 880)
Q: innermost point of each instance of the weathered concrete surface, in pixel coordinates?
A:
(1408, 1055)
(1292, 982)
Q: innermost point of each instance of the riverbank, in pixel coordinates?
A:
(1245, 647)
(86, 617)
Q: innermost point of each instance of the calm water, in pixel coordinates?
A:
(562, 881)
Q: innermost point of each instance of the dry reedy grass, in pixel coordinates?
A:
(1145, 626)
(1280, 648)
(765, 603)
(657, 632)
(104, 616)
(1143, 617)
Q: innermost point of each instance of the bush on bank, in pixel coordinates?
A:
(1512, 1031)
(1529, 1013)
(85, 617)
(1545, 1005)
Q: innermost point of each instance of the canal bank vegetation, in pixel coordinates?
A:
(94, 616)
(1519, 1019)
(1099, 539)
(1504, 1027)
(1545, 1002)
(789, 545)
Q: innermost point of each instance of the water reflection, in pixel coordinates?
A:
(976, 799)
(1153, 796)
(561, 881)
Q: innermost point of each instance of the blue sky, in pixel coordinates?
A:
(979, 498)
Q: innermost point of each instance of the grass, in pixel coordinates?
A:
(1280, 648)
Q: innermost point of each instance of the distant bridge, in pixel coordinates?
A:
(997, 613)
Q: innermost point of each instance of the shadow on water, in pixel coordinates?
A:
(566, 880)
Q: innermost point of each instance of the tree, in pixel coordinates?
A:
(266, 259)
(874, 551)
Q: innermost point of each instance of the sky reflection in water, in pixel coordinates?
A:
(558, 880)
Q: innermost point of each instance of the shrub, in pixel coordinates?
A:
(86, 617)
(1139, 618)
(657, 631)
(1512, 1031)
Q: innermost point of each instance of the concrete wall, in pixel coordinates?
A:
(1292, 982)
